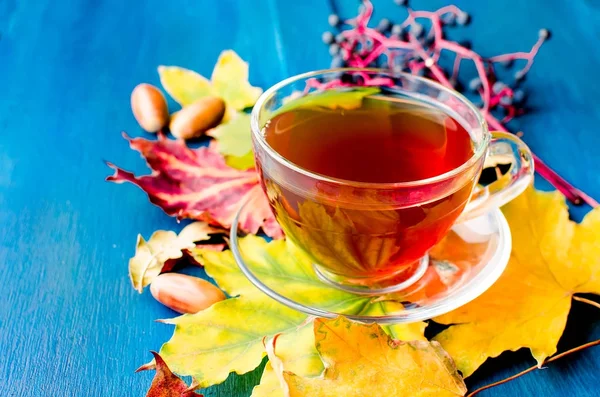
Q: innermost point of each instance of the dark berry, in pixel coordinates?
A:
(351, 78)
(416, 29)
(334, 49)
(399, 63)
(506, 101)
(475, 84)
(401, 2)
(519, 97)
(508, 64)
(327, 37)
(466, 43)
(334, 20)
(456, 84)
(384, 25)
(463, 18)
(544, 34)
(428, 41)
(397, 30)
(450, 19)
(337, 62)
(498, 86)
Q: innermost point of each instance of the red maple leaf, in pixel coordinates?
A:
(165, 383)
(198, 184)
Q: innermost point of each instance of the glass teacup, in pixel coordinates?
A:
(374, 237)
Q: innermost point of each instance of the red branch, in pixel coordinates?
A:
(362, 45)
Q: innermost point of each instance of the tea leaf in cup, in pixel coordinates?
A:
(346, 98)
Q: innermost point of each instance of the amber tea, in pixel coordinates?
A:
(384, 141)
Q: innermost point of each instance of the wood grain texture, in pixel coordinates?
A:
(70, 323)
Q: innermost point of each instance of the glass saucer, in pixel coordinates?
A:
(461, 267)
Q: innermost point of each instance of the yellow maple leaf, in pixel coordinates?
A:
(362, 360)
(552, 259)
(229, 81)
(185, 86)
(226, 337)
(297, 353)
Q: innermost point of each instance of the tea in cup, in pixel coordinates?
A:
(367, 179)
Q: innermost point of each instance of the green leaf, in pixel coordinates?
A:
(160, 252)
(404, 332)
(241, 163)
(230, 81)
(226, 337)
(350, 98)
(278, 262)
(185, 86)
(234, 137)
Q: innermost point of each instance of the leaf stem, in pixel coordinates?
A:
(573, 350)
(588, 301)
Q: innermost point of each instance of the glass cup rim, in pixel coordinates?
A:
(256, 131)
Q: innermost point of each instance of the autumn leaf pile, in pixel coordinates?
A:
(553, 258)
(207, 183)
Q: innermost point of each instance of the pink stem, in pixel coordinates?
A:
(381, 44)
(573, 194)
(529, 56)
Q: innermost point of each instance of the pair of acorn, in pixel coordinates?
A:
(150, 110)
(180, 292)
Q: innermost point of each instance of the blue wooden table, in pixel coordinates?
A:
(70, 323)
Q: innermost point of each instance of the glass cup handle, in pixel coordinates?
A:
(504, 148)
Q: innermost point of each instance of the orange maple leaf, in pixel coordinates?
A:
(362, 360)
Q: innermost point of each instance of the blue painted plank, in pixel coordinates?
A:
(70, 324)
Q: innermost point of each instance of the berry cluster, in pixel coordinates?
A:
(416, 44)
